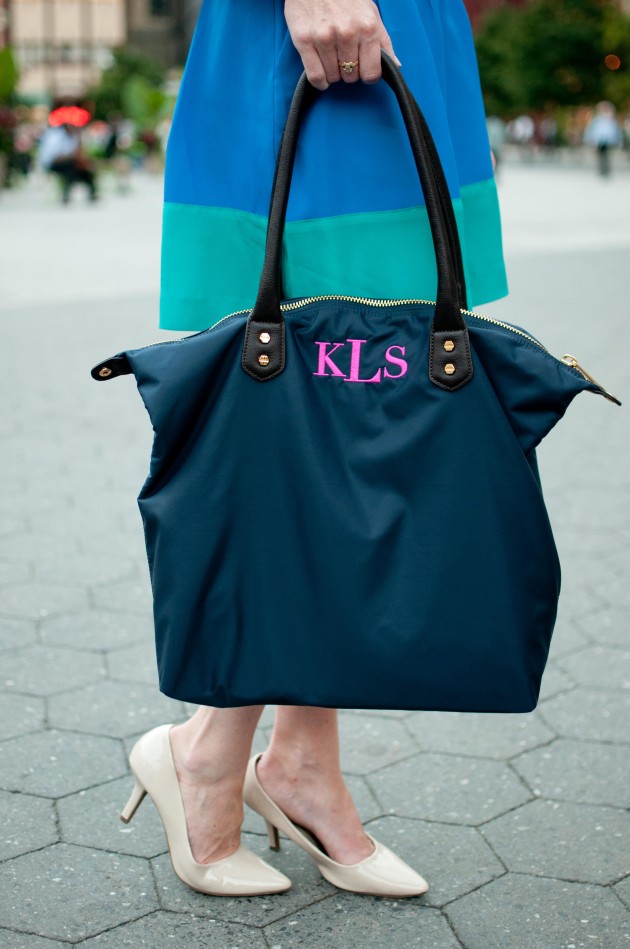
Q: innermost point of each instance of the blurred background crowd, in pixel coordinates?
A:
(88, 87)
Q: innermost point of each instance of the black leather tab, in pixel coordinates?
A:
(263, 350)
(110, 368)
(450, 359)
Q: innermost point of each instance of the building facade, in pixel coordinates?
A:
(63, 45)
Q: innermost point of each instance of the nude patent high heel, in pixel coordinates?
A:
(240, 874)
(382, 873)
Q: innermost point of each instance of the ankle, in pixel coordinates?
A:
(296, 766)
(196, 761)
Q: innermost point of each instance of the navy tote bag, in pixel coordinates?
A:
(343, 507)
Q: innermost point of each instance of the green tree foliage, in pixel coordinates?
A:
(143, 103)
(109, 96)
(9, 74)
(550, 53)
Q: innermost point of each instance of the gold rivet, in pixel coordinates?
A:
(104, 372)
(449, 345)
(263, 359)
(264, 337)
(449, 368)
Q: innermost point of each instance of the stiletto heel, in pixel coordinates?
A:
(274, 836)
(380, 874)
(240, 874)
(137, 796)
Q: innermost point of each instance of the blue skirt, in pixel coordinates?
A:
(356, 220)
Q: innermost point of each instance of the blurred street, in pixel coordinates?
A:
(519, 823)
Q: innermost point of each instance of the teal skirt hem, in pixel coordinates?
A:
(214, 255)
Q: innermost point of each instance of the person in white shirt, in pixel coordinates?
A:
(604, 132)
(60, 153)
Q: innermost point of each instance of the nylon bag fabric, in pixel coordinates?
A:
(343, 506)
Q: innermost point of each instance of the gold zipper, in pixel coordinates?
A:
(368, 301)
(569, 360)
(304, 301)
(385, 303)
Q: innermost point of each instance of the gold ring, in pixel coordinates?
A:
(348, 67)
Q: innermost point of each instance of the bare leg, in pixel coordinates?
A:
(301, 772)
(211, 751)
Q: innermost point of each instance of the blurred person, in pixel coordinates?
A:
(548, 134)
(604, 133)
(523, 131)
(61, 153)
(116, 150)
(496, 136)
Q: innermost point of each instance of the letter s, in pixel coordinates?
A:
(397, 361)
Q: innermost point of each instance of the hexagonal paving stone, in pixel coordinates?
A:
(85, 570)
(12, 522)
(112, 708)
(308, 887)
(554, 680)
(608, 626)
(92, 818)
(134, 595)
(369, 742)
(174, 929)
(586, 507)
(479, 733)
(559, 839)
(615, 591)
(26, 823)
(33, 545)
(13, 940)
(349, 920)
(53, 764)
(20, 714)
(136, 664)
(129, 543)
(600, 666)
(81, 520)
(16, 633)
(97, 629)
(45, 670)
(581, 771)
(567, 637)
(448, 788)
(67, 892)
(33, 600)
(13, 572)
(453, 860)
(583, 543)
(578, 595)
(623, 891)
(589, 713)
(549, 914)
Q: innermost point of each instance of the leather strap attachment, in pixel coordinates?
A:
(263, 349)
(116, 366)
(450, 360)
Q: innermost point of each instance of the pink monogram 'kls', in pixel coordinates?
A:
(327, 366)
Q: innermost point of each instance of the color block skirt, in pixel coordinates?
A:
(356, 221)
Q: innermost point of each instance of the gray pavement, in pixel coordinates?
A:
(520, 823)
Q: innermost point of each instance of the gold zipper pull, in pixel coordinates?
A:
(569, 360)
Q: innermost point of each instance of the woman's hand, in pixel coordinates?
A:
(325, 32)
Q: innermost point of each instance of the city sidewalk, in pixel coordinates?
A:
(520, 823)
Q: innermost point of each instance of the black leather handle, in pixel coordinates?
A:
(263, 350)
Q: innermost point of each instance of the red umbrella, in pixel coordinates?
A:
(69, 115)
